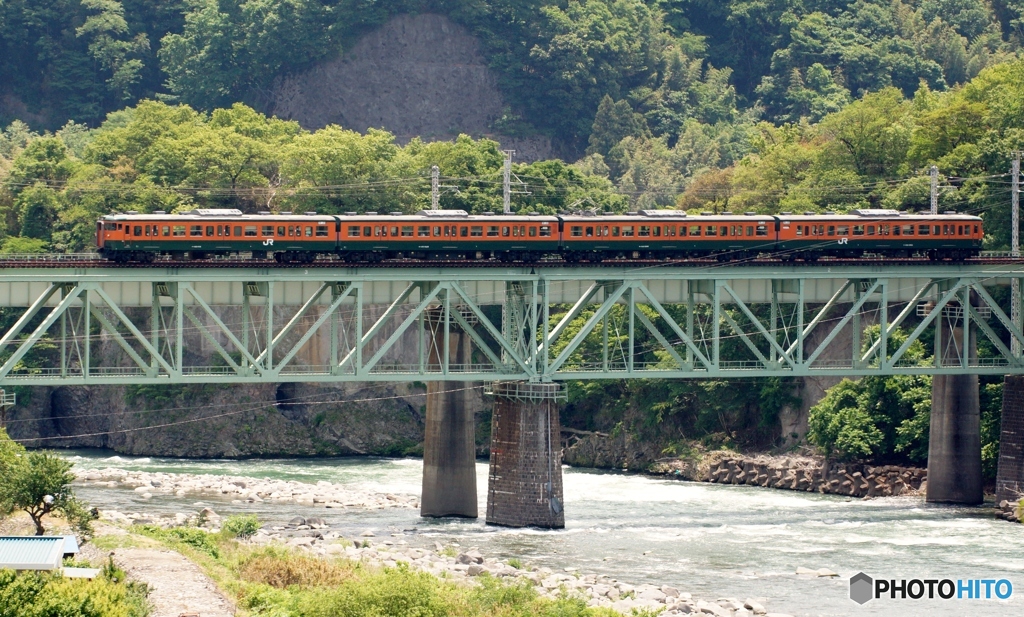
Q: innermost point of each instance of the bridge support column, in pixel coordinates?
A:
(449, 444)
(954, 442)
(1010, 475)
(524, 485)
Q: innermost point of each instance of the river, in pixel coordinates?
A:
(711, 540)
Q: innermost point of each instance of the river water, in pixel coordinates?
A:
(711, 540)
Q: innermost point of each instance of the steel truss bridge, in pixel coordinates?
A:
(80, 325)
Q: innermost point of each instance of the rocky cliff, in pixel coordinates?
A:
(416, 76)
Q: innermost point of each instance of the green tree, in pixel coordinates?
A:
(613, 122)
(39, 483)
(37, 207)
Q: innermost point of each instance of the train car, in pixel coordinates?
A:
(457, 235)
(660, 234)
(447, 234)
(884, 232)
(205, 232)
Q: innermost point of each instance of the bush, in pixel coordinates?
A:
(192, 537)
(44, 594)
(242, 526)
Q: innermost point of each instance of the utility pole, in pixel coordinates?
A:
(1015, 251)
(435, 191)
(507, 183)
(935, 189)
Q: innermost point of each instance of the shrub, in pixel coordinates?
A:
(43, 594)
(193, 537)
(281, 569)
(242, 526)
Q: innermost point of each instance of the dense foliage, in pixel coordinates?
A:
(46, 594)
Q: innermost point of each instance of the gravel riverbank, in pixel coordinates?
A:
(314, 536)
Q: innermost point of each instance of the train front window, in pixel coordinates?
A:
(476, 231)
(545, 231)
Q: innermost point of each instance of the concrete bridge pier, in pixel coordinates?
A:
(1010, 474)
(524, 484)
(449, 444)
(954, 442)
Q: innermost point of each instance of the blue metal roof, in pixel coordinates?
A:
(31, 552)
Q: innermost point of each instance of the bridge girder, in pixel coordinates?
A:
(623, 324)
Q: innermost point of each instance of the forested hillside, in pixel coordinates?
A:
(746, 105)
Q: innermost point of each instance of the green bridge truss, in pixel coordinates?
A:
(107, 325)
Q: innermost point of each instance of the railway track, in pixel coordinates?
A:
(86, 261)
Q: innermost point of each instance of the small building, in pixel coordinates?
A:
(32, 552)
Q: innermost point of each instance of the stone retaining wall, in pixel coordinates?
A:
(799, 474)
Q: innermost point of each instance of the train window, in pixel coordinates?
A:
(725, 230)
(762, 230)
(166, 230)
(959, 230)
(842, 230)
(533, 232)
(975, 229)
(268, 231)
(209, 230)
(522, 230)
(682, 231)
(896, 230)
(908, 230)
(545, 231)
(737, 230)
(321, 231)
(505, 231)
(858, 230)
(448, 231)
(883, 230)
(406, 231)
(147, 230)
(627, 231)
(238, 231)
(394, 232)
(656, 231)
(946, 230)
(831, 230)
(138, 230)
(280, 230)
(670, 231)
(492, 231)
(936, 230)
(799, 230)
(464, 232)
(695, 230)
(711, 231)
(922, 230)
(178, 230)
(750, 230)
(475, 231)
(437, 230)
(423, 231)
(590, 232)
(615, 232)
(250, 230)
(576, 231)
(195, 230)
(309, 232)
(871, 230)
